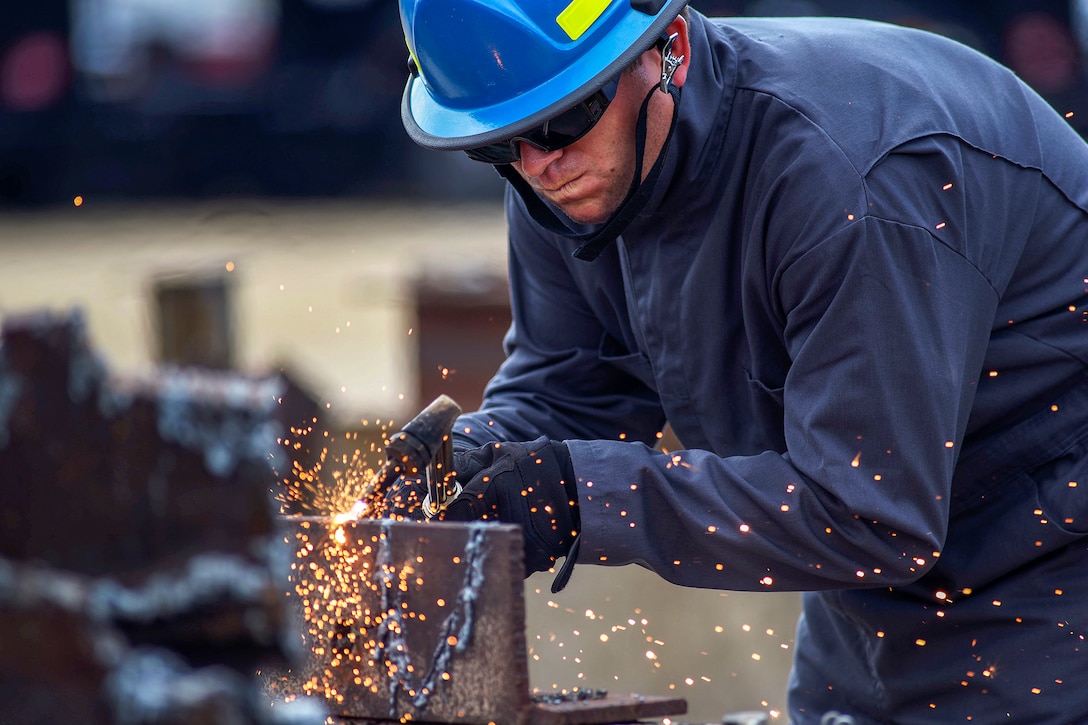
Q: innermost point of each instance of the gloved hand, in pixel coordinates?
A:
(530, 484)
(404, 499)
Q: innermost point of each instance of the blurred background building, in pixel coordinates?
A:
(226, 183)
(136, 99)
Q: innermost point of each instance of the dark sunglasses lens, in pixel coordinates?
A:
(564, 129)
(496, 153)
(560, 131)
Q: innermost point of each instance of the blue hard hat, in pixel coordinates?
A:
(482, 71)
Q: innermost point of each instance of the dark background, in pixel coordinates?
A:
(123, 100)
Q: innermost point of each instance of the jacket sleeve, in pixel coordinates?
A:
(558, 379)
(886, 329)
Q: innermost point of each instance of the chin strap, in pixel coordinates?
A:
(593, 243)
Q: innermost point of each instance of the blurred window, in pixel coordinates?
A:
(1080, 24)
(461, 324)
(118, 42)
(194, 322)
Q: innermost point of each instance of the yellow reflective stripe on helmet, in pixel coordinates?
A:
(579, 15)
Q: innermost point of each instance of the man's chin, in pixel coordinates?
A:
(586, 213)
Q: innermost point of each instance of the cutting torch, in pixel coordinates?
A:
(424, 449)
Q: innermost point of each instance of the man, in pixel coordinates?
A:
(848, 263)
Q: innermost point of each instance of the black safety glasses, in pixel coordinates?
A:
(554, 134)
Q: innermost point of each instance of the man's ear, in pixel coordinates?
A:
(680, 47)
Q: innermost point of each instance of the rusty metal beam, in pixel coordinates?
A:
(407, 619)
(425, 621)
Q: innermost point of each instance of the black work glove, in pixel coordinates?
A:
(529, 484)
(404, 499)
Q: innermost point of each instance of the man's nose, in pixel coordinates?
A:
(534, 161)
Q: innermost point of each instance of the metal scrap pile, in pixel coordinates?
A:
(141, 570)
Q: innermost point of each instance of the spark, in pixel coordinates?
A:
(342, 488)
(357, 511)
(78, 201)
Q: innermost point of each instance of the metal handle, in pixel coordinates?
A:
(441, 486)
(424, 448)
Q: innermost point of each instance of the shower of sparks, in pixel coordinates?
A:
(328, 576)
(352, 597)
(354, 602)
(339, 487)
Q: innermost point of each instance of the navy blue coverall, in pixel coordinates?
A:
(859, 295)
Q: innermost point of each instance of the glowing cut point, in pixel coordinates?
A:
(356, 512)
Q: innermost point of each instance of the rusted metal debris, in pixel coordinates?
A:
(141, 570)
(425, 621)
